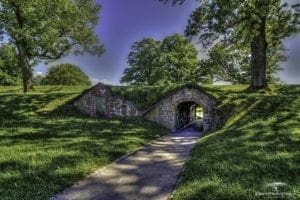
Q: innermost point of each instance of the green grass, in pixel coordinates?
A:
(46, 146)
(145, 96)
(259, 144)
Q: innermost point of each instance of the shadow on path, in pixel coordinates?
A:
(149, 173)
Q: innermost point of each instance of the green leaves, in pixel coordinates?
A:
(239, 24)
(47, 30)
(173, 60)
(10, 73)
(65, 74)
(143, 60)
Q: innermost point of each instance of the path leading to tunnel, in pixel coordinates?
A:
(149, 173)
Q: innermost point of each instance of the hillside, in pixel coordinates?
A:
(258, 145)
(46, 146)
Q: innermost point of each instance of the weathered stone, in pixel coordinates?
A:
(163, 112)
(124, 110)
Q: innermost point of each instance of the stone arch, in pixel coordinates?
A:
(100, 100)
(164, 111)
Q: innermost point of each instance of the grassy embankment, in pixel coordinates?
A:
(258, 145)
(44, 149)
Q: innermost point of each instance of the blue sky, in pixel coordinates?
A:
(124, 22)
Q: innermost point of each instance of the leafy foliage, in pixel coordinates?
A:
(37, 79)
(10, 71)
(222, 64)
(65, 74)
(145, 96)
(179, 60)
(173, 60)
(47, 30)
(144, 63)
(258, 25)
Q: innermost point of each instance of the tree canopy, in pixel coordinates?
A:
(143, 61)
(10, 72)
(232, 65)
(172, 60)
(257, 26)
(47, 30)
(65, 74)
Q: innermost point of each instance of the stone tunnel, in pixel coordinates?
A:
(178, 109)
(174, 111)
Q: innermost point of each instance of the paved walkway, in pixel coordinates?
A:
(149, 173)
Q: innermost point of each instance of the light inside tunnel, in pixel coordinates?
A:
(188, 114)
(199, 112)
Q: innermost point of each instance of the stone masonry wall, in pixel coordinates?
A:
(164, 111)
(114, 106)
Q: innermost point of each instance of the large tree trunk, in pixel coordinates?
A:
(21, 45)
(25, 68)
(258, 58)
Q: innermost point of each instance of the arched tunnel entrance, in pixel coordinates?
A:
(186, 106)
(189, 113)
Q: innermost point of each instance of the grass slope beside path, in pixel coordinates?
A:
(43, 150)
(259, 144)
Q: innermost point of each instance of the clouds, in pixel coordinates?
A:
(38, 73)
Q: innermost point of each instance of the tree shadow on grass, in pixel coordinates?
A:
(44, 155)
(260, 147)
(17, 107)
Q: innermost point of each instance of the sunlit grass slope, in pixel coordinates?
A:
(259, 144)
(46, 146)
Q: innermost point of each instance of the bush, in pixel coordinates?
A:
(66, 74)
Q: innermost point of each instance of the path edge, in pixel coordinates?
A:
(56, 196)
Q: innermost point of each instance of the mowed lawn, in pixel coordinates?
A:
(46, 146)
(258, 145)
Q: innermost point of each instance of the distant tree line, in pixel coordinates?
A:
(176, 60)
(243, 38)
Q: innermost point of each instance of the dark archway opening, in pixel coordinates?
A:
(189, 114)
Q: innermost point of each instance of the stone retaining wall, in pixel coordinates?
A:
(100, 101)
(113, 106)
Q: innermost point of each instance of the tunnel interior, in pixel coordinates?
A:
(189, 114)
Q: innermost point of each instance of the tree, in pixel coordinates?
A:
(10, 73)
(173, 60)
(47, 30)
(65, 74)
(37, 79)
(258, 24)
(233, 65)
(178, 60)
(143, 60)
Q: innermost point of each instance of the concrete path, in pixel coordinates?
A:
(149, 173)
